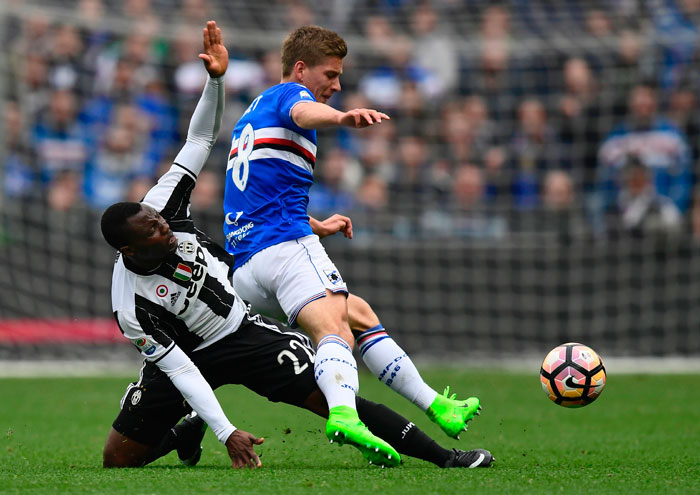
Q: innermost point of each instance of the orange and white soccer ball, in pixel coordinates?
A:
(572, 375)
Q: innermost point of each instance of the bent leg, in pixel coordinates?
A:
(121, 451)
(384, 357)
(145, 428)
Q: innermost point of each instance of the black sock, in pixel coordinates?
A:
(166, 445)
(402, 434)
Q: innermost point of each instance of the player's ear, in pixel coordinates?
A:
(299, 69)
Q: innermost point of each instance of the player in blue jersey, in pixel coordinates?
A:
(281, 266)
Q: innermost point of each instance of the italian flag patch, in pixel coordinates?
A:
(183, 272)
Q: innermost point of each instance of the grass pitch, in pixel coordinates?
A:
(641, 436)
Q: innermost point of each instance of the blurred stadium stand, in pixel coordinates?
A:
(537, 182)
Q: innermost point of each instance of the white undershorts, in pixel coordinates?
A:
(281, 279)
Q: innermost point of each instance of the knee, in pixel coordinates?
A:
(120, 452)
(361, 316)
(111, 458)
(347, 336)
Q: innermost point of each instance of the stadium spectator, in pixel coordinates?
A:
(58, 137)
(560, 214)
(642, 211)
(579, 119)
(20, 177)
(64, 57)
(30, 86)
(649, 137)
(412, 187)
(434, 50)
(677, 33)
(533, 150)
(116, 162)
(632, 62)
(465, 213)
(383, 85)
(494, 77)
(339, 176)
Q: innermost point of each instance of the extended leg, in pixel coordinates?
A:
(393, 367)
(404, 435)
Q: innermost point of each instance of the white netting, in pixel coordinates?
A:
(534, 186)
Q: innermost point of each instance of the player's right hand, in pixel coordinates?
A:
(362, 117)
(240, 446)
(215, 56)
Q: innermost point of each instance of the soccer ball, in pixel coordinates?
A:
(572, 375)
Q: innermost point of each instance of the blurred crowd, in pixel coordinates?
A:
(565, 118)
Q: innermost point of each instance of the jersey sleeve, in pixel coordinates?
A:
(291, 96)
(142, 330)
(157, 347)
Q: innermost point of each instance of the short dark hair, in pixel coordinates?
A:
(113, 223)
(311, 44)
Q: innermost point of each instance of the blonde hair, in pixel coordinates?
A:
(311, 44)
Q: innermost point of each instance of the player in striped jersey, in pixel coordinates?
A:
(172, 297)
(281, 267)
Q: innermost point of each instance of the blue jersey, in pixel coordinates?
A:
(269, 173)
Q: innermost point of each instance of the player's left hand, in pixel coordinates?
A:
(333, 225)
(215, 56)
(362, 117)
(240, 449)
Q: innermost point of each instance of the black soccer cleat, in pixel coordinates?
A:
(189, 433)
(469, 458)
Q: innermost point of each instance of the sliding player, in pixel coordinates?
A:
(172, 297)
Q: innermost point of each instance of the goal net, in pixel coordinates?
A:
(535, 184)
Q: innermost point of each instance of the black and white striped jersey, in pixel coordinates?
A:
(188, 300)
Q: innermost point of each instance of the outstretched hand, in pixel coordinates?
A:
(215, 56)
(362, 117)
(240, 449)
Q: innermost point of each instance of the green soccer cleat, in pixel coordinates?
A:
(344, 426)
(451, 414)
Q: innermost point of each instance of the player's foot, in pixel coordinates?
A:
(344, 426)
(189, 433)
(469, 458)
(452, 414)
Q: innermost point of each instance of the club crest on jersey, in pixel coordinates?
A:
(161, 291)
(183, 272)
(333, 276)
(186, 247)
(136, 397)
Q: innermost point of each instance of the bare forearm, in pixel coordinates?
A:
(314, 115)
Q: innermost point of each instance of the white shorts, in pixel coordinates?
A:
(280, 280)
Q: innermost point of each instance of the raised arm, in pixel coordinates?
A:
(171, 196)
(206, 119)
